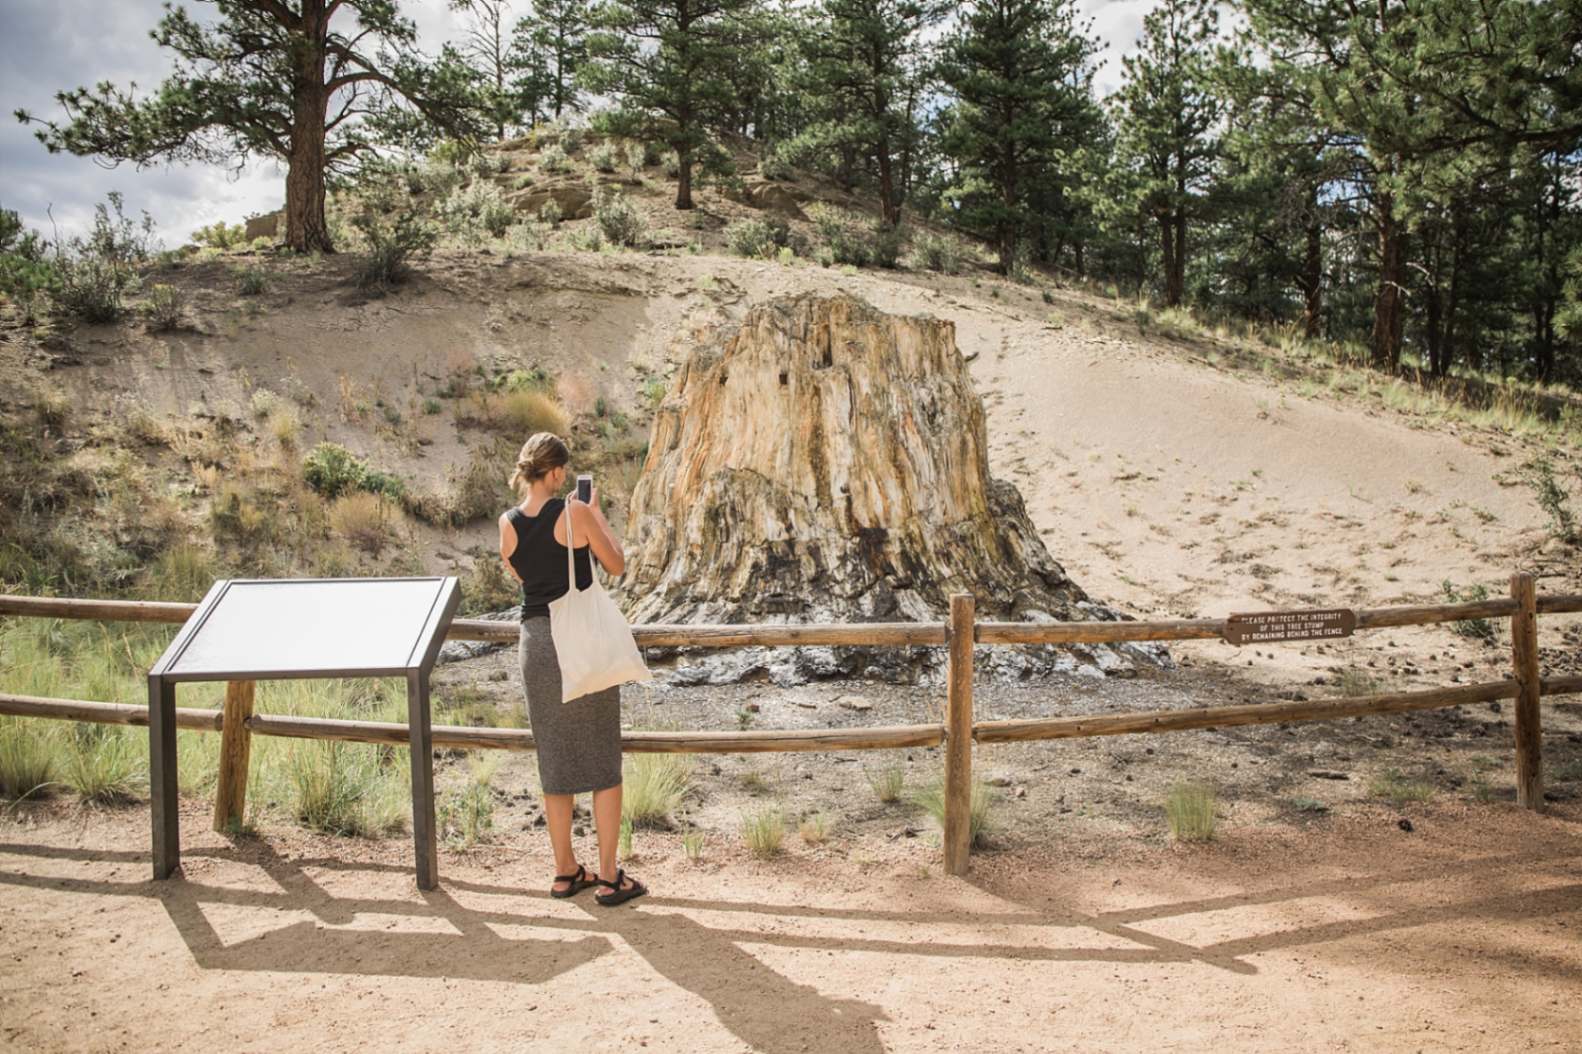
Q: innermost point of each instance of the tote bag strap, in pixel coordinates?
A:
(571, 569)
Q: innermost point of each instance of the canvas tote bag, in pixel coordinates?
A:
(592, 640)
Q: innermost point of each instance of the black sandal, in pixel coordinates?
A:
(578, 883)
(620, 895)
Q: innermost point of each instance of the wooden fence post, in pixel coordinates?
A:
(1524, 658)
(958, 736)
(230, 798)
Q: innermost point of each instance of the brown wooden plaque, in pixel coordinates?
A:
(1271, 626)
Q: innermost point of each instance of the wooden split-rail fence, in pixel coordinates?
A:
(237, 722)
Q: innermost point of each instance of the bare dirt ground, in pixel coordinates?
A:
(1461, 935)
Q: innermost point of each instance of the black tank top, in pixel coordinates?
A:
(540, 560)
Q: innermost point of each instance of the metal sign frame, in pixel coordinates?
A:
(165, 674)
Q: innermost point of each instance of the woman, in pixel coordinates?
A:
(579, 742)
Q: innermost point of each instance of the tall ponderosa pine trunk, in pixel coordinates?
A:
(1388, 308)
(1311, 281)
(306, 229)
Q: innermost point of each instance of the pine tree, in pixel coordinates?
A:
(867, 67)
(1167, 119)
(666, 61)
(1021, 74)
(548, 47)
(279, 78)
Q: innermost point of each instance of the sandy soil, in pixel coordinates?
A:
(1462, 935)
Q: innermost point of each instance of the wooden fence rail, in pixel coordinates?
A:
(237, 722)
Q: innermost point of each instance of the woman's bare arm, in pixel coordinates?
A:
(507, 546)
(589, 522)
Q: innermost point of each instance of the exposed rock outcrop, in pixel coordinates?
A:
(826, 461)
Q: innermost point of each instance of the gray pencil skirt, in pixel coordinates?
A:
(579, 743)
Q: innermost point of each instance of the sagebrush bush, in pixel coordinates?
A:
(252, 280)
(670, 163)
(553, 159)
(757, 238)
(618, 218)
(474, 213)
(332, 470)
(218, 235)
(603, 157)
(96, 273)
(846, 240)
(393, 230)
(938, 252)
(636, 157)
(166, 307)
(550, 212)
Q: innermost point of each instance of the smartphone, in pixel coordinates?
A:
(585, 489)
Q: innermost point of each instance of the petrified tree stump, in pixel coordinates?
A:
(825, 461)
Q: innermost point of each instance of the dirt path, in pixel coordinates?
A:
(1461, 935)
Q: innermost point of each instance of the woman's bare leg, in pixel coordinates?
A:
(607, 818)
(557, 817)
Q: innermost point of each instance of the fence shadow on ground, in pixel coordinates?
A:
(765, 1009)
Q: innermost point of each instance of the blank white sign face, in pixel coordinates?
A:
(313, 626)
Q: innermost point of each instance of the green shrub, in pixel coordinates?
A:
(938, 252)
(393, 231)
(96, 273)
(670, 163)
(476, 212)
(1474, 628)
(1189, 811)
(218, 235)
(166, 307)
(1553, 498)
(775, 165)
(550, 212)
(636, 158)
(27, 274)
(618, 219)
(332, 470)
(888, 244)
(252, 280)
(758, 238)
(603, 157)
(846, 240)
(553, 159)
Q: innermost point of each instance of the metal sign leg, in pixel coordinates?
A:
(422, 748)
(162, 775)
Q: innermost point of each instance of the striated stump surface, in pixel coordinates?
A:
(825, 461)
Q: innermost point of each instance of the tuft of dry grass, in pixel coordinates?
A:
(367, 521)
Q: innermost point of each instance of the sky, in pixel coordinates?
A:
(50, 45)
